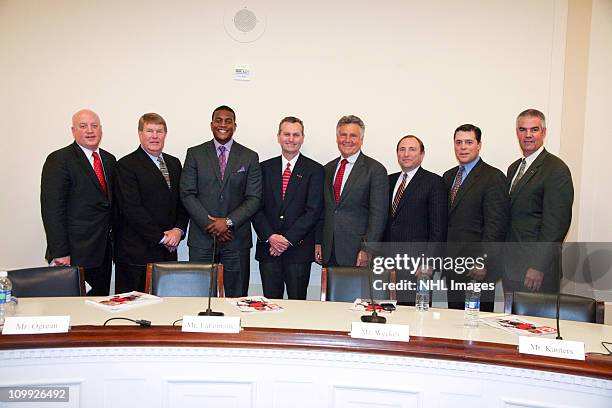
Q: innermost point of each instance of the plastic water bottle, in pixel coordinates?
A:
(6, 305)
(422, 293)
(472, 308)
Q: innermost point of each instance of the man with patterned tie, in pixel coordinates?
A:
(355, 195)
(221, 190)
(152, 220)
(286, 222)
(477, 217)
(541, 198)
(75, 199)
(417, 214)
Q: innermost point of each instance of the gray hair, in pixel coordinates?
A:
(532, 113)
(350, 120)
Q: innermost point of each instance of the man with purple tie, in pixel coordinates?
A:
(221, 190)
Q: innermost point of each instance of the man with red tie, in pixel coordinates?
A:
(355, 193)
(285, 224)
(75, 201)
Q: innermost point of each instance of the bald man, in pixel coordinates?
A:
(75, 202)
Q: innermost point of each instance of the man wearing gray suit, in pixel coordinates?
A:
(221, 190)
(356, 192)
(541, 198)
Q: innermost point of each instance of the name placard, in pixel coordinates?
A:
(36, 324)
(539, 346)
(211, 324)
(375, 331)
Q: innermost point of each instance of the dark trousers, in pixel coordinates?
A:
(277, 274)
(99, 277)
(236, 267)
(129, 277)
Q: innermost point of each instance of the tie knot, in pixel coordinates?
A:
(405, 176)
(95, 154)
(221, 149)
(160, 160)
(288, 165)
(343, 162)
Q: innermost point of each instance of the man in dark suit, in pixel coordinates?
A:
(286, 222)
(477, 217)
(355, 200)
(75, 200)
(152, 220)
(418, 206)
(221, 190)
(541, 198)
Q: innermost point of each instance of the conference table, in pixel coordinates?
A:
(302, 356)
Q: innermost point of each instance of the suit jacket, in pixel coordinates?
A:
(146, 208)
(421, 215)
(297, 215)
(361, 214)
(479, 214)
(540, 211)
(76, 212)
(237, 196)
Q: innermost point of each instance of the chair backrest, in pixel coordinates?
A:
(345, 284)
(48, 281)
(182, 279)
(573, 307)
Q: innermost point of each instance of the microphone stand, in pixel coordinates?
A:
(374, 317)
(213, 279)
(559, 279)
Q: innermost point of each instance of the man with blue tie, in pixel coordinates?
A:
(285, 224)
(478, 208)
(221, 190)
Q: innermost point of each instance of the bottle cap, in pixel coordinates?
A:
(3, 274)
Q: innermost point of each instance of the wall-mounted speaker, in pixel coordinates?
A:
(244, 23)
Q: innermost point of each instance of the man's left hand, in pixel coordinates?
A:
(172, 237)
(217, 227)
(363, 259)
(533, 279)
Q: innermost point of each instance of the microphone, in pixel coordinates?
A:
(213, 279)
(559, 278)
(374, 317)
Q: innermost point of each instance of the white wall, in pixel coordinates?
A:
(421, 67)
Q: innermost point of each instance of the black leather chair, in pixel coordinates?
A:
(182, 279)
(48, 281)
(573, 307)
(345, 284)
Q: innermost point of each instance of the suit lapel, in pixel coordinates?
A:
(211, 156)
(276, 178)
(88, 169)
(294, 182)
(410, 187)
(529, 173)
(467, 184)
(356, 173)
(152, 168)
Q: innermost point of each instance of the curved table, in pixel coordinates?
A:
(301, 356)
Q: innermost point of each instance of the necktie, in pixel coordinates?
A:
(519, 175)
(99, 170)
(338, 180)
(286, 176)
(399, 194)
(457, 183)
(222, 161)
(164, 170)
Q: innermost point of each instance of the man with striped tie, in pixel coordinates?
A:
(152, 220)
(478, 207)
(285, 224)
(417, 211)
